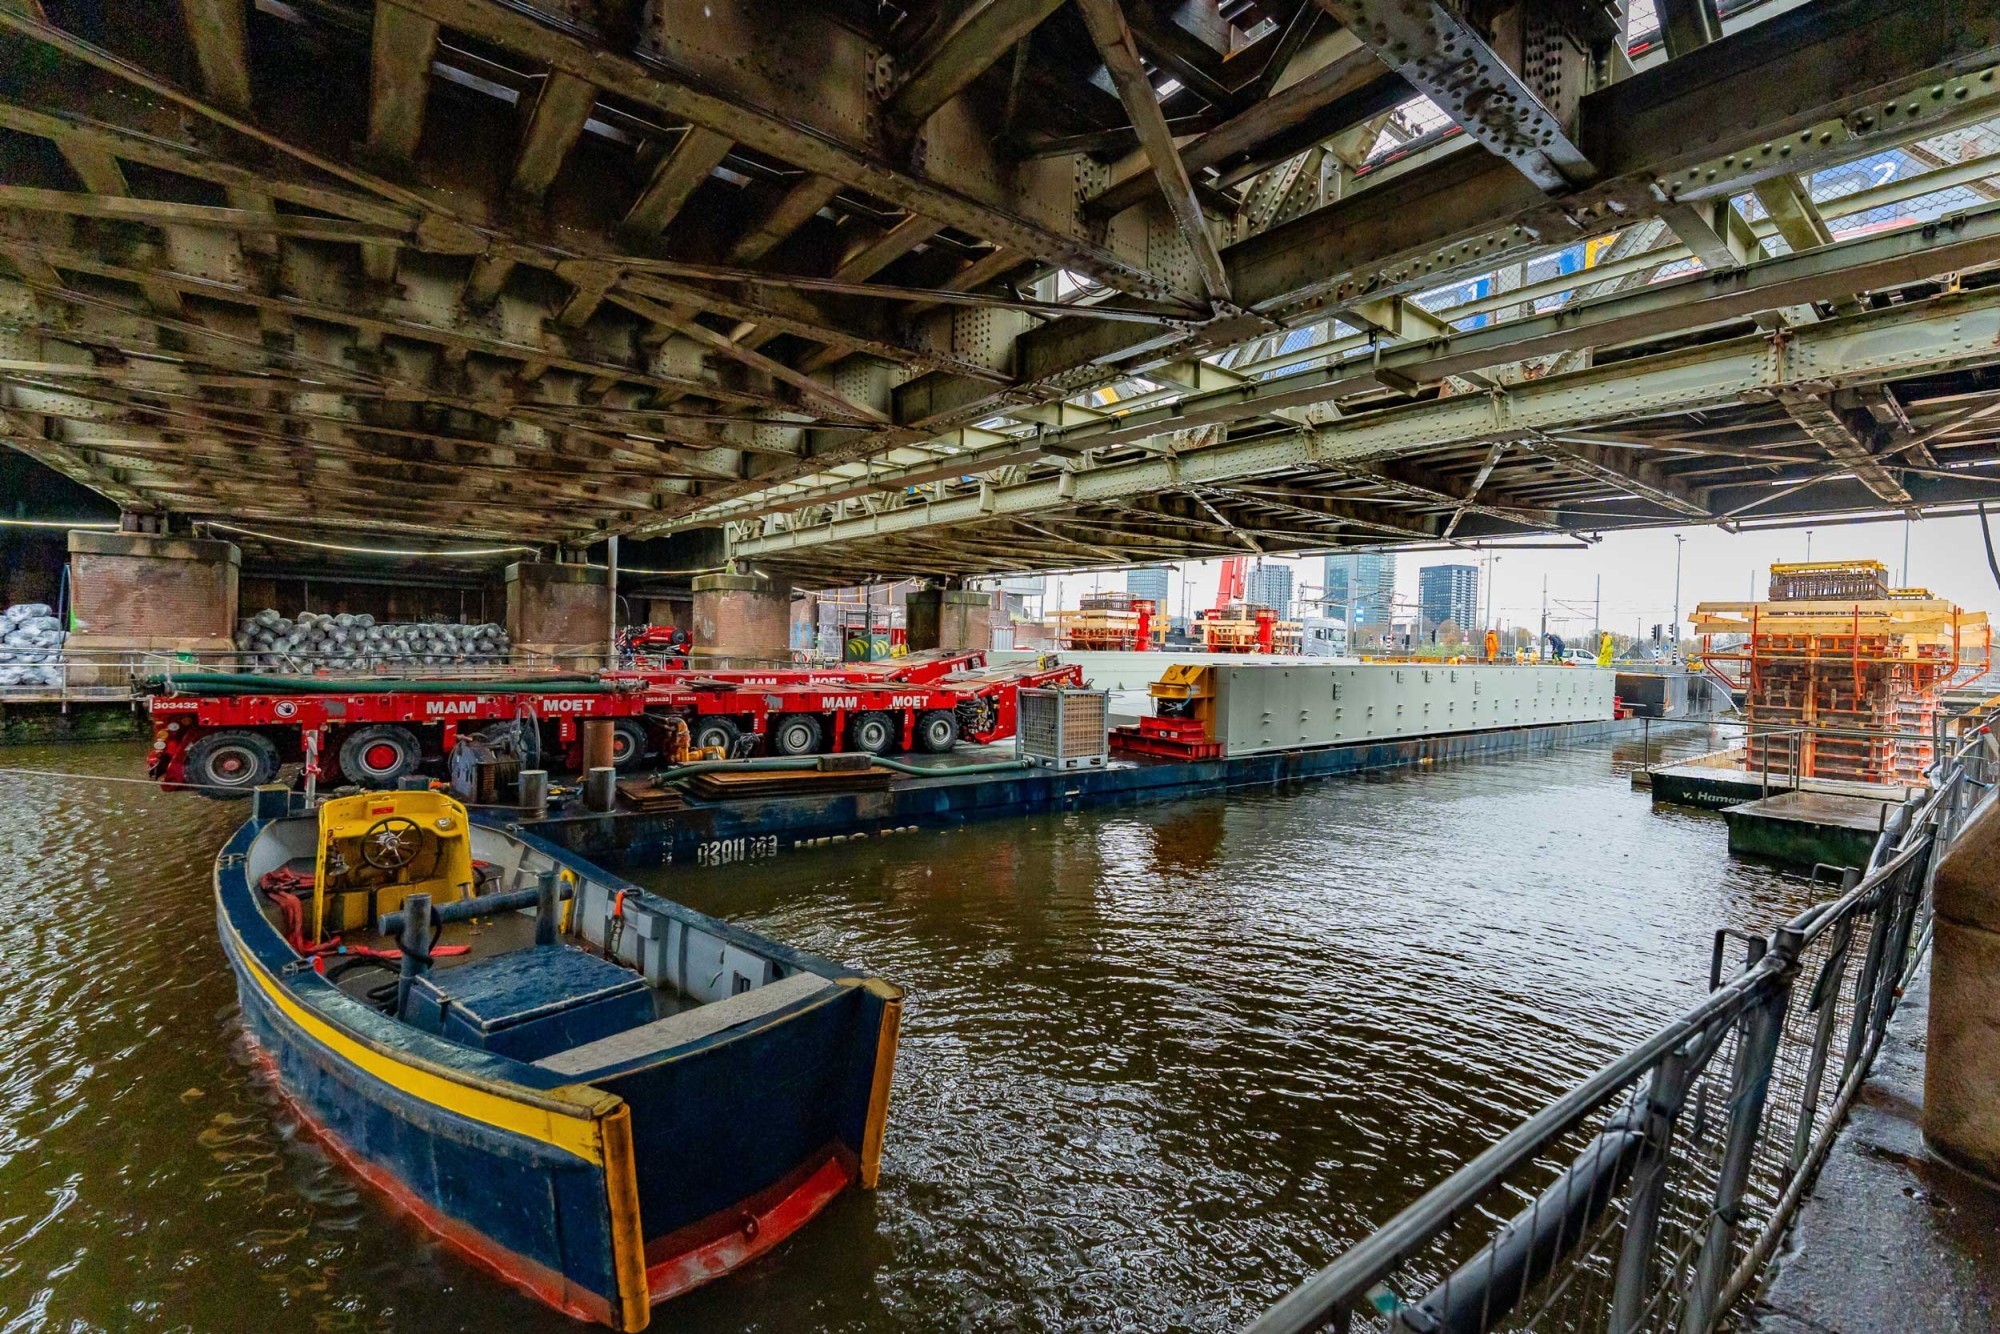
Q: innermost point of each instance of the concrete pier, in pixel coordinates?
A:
(741, 619)
(1962, 1080)
(559, 610)
(135, 594)
(948, 618)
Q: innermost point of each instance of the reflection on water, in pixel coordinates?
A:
(1157, 1064)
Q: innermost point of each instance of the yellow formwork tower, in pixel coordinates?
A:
(1840, 672)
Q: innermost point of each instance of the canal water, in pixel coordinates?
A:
(1157, 1064)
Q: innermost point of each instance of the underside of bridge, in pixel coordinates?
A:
(961, 287)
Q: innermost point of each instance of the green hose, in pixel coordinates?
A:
(926, 771)
(245, 683)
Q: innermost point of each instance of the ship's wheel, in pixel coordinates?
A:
(392, 843)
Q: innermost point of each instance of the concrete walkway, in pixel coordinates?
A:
(1891, 1241)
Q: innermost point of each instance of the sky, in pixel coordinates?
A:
(1637, 571)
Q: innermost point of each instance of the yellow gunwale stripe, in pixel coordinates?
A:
(876, 1126)
(576, 1133)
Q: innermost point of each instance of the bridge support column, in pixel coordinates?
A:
(138, 594)
(948, 618)
(559, 610)
(1962, 1068)
(741, 619)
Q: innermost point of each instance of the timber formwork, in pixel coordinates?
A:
(1112, 622)
(1842, 675)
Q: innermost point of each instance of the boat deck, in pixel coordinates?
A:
(1720, 779)
(1808, 828)
(359, 969)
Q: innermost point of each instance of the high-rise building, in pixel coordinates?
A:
(1449, 593)
(1360, 589)
(1149, 581)
(1337, 579)
(1269, 586)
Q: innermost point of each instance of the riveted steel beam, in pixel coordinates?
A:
(1445, 59)
(402, 45)
(1115, 43)
(1836, 434)
(743, 109)
(1656, 310)
(1924, 338)
(985, 32)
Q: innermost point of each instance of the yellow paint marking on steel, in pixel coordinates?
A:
(877, 1125)
(628, 1237)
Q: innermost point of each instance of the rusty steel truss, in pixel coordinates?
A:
(957, 287)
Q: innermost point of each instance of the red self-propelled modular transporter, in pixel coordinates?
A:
(224, 736)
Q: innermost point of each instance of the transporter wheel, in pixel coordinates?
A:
(227, 765)
(876, 733)
(796, 734)
(629, 743)
(937, 731)
(714, 731)
(379, 755)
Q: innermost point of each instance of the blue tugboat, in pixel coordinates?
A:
(605, 1098)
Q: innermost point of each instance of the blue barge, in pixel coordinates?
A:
(717, 832)
(603, 1097)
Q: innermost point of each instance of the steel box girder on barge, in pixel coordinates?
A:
(606, 1104)
(1276, 723)
(226, 735)
(721, 832)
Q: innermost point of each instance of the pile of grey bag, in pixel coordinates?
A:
(31, 645)
(270, 642)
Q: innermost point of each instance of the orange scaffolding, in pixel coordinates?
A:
(1841, 671)
(1248, 629)
(1112, 621)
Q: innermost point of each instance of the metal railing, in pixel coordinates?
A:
(1650, 1197)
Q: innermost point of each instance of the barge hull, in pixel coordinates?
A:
(462, 1178)
(722, 832)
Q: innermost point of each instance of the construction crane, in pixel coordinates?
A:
(1229, 588)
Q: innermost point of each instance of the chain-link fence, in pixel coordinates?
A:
(1651, 1197)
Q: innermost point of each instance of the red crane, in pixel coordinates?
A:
(1229, 588)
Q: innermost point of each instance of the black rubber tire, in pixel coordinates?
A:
(631, 744)
(377, 755)
(797, 734)
(937, 731)
(876, 733)
(714, 731)
(228, 765)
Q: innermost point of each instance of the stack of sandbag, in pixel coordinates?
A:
(31, 646)
(315, 641)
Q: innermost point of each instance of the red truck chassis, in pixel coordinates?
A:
(227, 744)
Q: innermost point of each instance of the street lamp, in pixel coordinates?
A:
(1680, 540)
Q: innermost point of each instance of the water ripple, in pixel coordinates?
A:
(1156, 1065)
